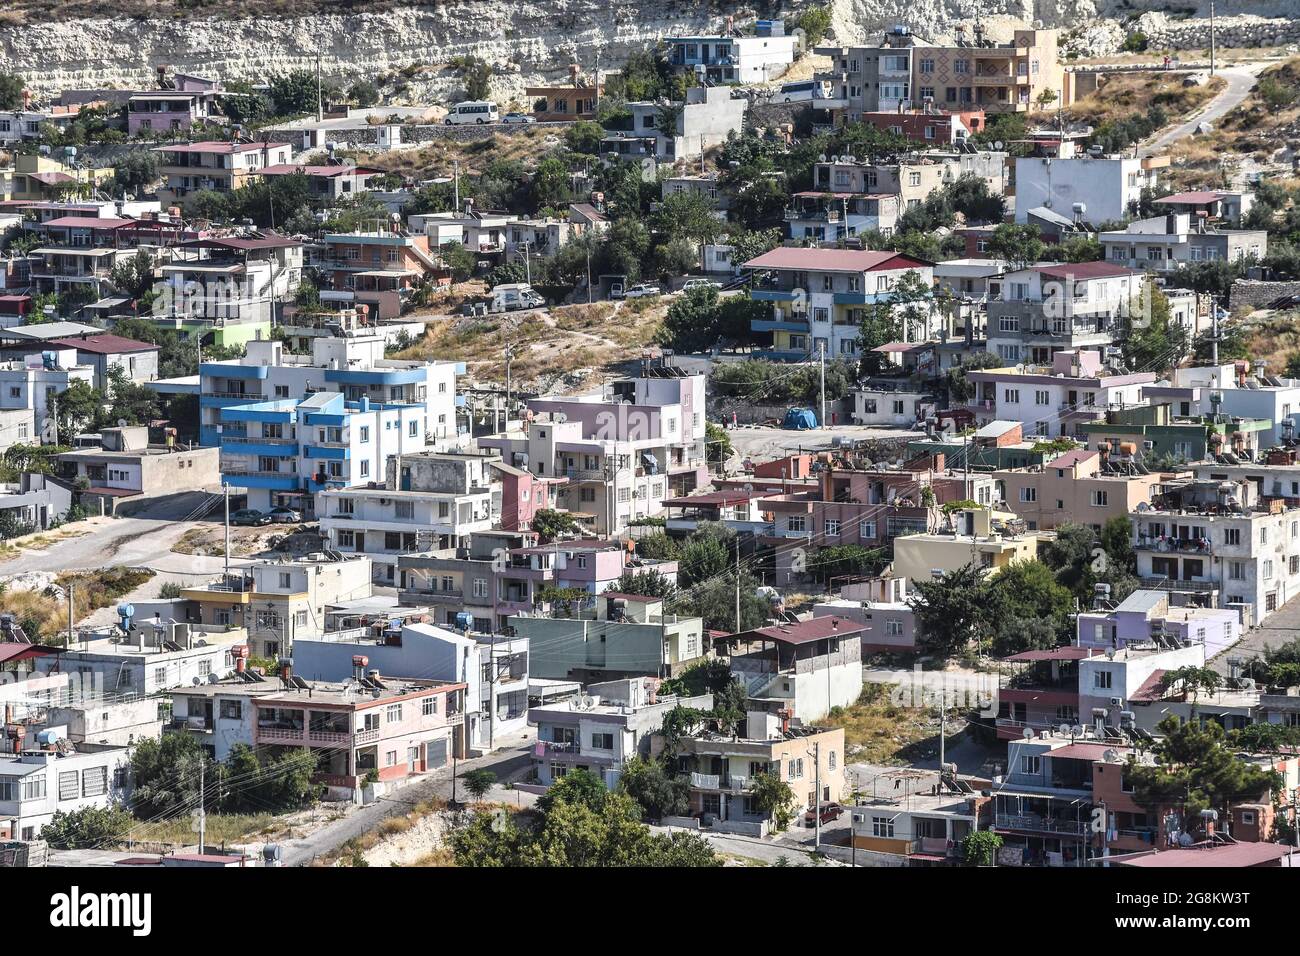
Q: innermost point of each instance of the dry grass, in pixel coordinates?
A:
(1274, 340)
(221, 828)
(388, 827)
(878, 731)
(20, 12)
(45, 617)
(435, 159)
(1124, 94)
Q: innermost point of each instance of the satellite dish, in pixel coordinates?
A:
(213, 678)
(196, 681)
(1029, 734)
(1064, 730)
(997, 145)
(1110, 756)
(1077, 731)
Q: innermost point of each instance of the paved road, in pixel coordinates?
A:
(437, 784)
(1241, 80)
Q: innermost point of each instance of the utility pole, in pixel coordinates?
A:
(71, 588)
(817, 802)
(821, 354)
(528, 261)
(737, 542)
(1214, 331)
(320, 103)
(225, 487)
(510, 355)
(1212, 50)
(203, 817)
(943, 732)
(455, 179)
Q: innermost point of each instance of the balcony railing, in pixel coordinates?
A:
(1038, 823)
(546, 747)
(713, 781)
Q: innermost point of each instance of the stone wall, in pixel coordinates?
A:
(1257, 294)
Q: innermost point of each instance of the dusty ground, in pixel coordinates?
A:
(1124, 94)
(436, 158)
(562, 349)
(209, 539)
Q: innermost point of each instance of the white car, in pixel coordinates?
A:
(700, 284)
(518, 118)
(642, 292)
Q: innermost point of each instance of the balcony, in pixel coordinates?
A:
(713, 781)
(1039, 824)
(1174, 545)
(550, 748)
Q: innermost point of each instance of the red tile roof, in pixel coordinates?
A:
(1150, 689)
(805, 632)
(832, 260)
(1080, 751)
(87, 222)
(1069, 653)
(1192, 198)
(1224, 854)
(13, 651)
(103, 344)
(215, 147)
(1084, 270)
(1072, 458)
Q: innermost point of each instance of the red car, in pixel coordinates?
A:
(830, 811)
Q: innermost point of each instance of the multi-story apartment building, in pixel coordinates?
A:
(620, 451)
(494, 670)
(499, 576)
(1156, 432)
(274, 602)
(800, 671)
(1220, 542)
(922, 819)
(1242, 390)
(227, 289)
(379, 267)
(292, 425)
(391, 727)
(1212, 205)
(1045, 309)
(903, 71)
(179, 102)
(1074, 488)
(727, 58)
(1054, 399)
(602, 729)
(59, 777)
(188, 168)
(1147, 616)
(701, 121)
(818, 296)
(722, 768)
(32, 384)
(827, 216)
(426, 501)
(1166, 243)
(625, 635)
(220, 715)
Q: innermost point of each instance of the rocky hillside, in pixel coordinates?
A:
(527, 41)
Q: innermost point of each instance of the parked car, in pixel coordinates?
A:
(283, 515)
(250, 517)
(518, 118)
(642, 292)
(830, 811)
(700, 284)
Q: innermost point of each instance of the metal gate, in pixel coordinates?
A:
(435, 754)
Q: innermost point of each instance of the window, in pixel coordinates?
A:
(404, 509)
(1099, 499)
(393, 713)
(365, 434)
(602, 741)
(1232, 536)
(69, 785)
(231, 710)
(365, 469)
(1031, 765)
(894, 628)
(830, 760)
(94, 781)
(882, 827)
(867, 529)
(795, 523)
(1028, 494)
(429, 706)
(1011, 396)
(285, 579)
(1041, 396)
(1101, 679)
(832, 528)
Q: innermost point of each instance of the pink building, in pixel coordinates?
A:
(186, 100)
(395, 727)
(1073, 488)
(523, 494)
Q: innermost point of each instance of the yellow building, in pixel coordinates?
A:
(41, 179)
(989, 539)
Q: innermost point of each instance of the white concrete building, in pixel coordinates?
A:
(1234, 391)
(426, 501)
(32, 384)
(1108, 187)
(733, 59)
(36, 784)
(703, 120)
(1166, 243)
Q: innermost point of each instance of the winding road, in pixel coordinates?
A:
(1241, 80)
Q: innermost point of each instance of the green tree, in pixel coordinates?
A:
(1020, 245)
(774, 797)
(276, 781)
(717, 441)
(478, 783)
(690, 325)
(135, 172)
(649, 583)
(295, 93)
(659, 793)
(981, 848)
(657, 547)
(584, 138)
(814, 22)
(11, 91)
(550, 524)
(879, 325)
(477, 74)
(845, 560)
(687, 215)
(88, 828)
(952, 611)
(1195, 769)
(714, 601)
(459, 260)
(1152, 339)
(1192, 680)
(80, 407)
(702, 558)
(550, 183)
(166, 774)
(364, 93)
(1030, 610)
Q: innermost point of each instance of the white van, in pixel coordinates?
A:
(473, 111)
(802, 92)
